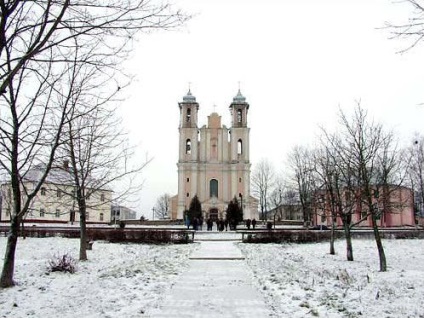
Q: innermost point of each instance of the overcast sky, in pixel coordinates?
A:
(297, 62)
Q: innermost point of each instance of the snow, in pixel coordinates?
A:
(305, 280)
(134, 280)
(118, 280)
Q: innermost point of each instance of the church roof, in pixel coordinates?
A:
(189, 98)
(239, 98)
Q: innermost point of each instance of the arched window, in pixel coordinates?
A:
(188, 114)
(188, 146)
(213, 188)
(239, 115)
(239, 147)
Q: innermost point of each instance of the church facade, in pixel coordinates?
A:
(213, 161)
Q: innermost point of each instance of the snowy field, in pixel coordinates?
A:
(125, 280)
(306, 281)
(118, 280)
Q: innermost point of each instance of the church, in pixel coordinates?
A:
(213, 161)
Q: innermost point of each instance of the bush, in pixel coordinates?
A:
(288, 236)
(62, 263)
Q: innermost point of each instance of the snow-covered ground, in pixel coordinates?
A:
(118, 280)
(304, 280)
(125, 280)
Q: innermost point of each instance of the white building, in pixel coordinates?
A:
(120, 212)
(213, 161)
(56, 201)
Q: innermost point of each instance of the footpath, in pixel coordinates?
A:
(218, 283)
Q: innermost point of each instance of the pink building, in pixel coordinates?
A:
(395, 206)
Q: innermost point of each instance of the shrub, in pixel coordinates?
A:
(62, 263)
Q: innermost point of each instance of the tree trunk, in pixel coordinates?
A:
(23, 229)
(348, 236)
(83, 227)
(381, 254)
(332, 249)
(6, 279)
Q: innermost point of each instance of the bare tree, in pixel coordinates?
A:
(328, 177)
(372, 163)
(291, 202)
(262, 183)
(339, 186)
(100, 159)
(162, 206)
(38, 45)
(303, 176)
(276, 198)
(413, 29)
(416, 172)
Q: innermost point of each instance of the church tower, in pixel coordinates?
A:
(188, 128)
(239, 144)
(213, 161)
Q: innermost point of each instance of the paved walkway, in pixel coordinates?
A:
(218, 283)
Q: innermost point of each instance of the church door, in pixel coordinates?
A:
(213, 214)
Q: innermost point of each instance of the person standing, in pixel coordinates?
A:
(248, 224)
(195, 224)
(201, 223)
(254, 223)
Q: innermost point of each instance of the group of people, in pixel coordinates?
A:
(251, 222)
(221, 224)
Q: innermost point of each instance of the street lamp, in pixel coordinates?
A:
(153, 210)
(241, 202)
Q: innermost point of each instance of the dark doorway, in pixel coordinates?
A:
(72, 216)
(213, 214)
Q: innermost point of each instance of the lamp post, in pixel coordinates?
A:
(241, 203)
(153, 210)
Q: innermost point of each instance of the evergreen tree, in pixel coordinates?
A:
(195, 209)
(234, 213)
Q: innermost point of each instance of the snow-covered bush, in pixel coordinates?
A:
(62, 263)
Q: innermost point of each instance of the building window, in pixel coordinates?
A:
(188, 179)
(57, 213)
(102, 197)
(188, 146)
(323, 218)
(42, 212)
(7, 211)
(43, 191)
(239, 180)
(239, 147)
(188, 117)
(101, 216)
(239, 116)
(213, 188)
(188, 194)
(58, 193)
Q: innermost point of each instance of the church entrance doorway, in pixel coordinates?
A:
(213, 214)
